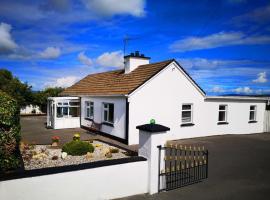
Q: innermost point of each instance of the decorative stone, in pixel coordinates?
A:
(64, 155)
(55, 144)
(89, 156)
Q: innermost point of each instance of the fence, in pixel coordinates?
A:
(181, 165)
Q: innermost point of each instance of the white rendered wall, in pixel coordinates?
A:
(119, 114)
(66, 122)
(108, 182)
(162, 97)
(28, 109)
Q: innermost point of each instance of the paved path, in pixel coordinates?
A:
(33, 130)
(239, 169)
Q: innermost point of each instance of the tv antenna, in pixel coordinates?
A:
(126, 40)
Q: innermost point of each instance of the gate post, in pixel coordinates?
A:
(151, 136)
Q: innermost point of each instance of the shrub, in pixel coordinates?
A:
(9, 132)
(78, 148)
(76, 137)
(114, 150)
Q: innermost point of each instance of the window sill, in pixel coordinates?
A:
(253, 121)
(108, 124)
(187, 124)
(89, 119)
(222, 123)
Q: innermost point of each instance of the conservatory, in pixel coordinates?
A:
(63, 112)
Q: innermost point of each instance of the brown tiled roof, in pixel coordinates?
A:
(115, 82)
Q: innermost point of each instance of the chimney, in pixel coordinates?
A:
(133, 60)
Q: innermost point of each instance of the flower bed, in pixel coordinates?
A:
(44, 156)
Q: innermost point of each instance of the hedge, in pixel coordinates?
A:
(9, 132)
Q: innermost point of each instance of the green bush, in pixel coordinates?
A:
(9, 132)
(78, 148)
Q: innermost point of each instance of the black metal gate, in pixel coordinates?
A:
(181, 165)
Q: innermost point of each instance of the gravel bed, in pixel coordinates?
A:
(45, 153)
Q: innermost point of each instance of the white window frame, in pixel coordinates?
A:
(89, 105)
(65, 104)
(226, 112)
(255, 113)
(191, 115)
(107, 109)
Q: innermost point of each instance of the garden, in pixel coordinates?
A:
(72, 153)
(18, 157)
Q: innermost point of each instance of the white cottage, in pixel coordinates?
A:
(115, 102)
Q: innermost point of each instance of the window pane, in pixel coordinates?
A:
(105, 115)
(111, 112)
(251, 115)
(252, 107)
(222, 116)
(91, 111)
(74, 111)
(65, 111)
(186, 116)
(59, 112)
(186, 107)
(87, 103)
(74, 103)
(222, 107)
(105, 105)
(87, 112)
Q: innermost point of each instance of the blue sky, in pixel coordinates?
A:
(223, 44)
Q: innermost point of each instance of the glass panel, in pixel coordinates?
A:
(92, 103)
(65, 103)
(105, 115)
(59, 112)
(111, 112)
(91, 111)
(222, 107)
(87, 103)
(74, 111)
(251, 115)
(222, 116)
(65, 111)
(105, 105)
(186, 107)
(186, 116)
(87, 112)
(252, 107)
(74, 103)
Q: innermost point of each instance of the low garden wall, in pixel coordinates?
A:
(120, 178)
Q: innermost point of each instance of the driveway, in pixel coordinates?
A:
(239, 168)
(33, 130)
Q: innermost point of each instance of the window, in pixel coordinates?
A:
(222, 113)
(108, 112)
(187, 113)
(68, 109)
(252, 113)
(89, 109)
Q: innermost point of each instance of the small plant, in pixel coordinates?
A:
(76, 137)
(78, 148)
(55, 139)
(114, 150)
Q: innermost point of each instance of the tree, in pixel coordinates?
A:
(40, 97)
(19, 91)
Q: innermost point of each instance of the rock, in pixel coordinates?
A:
(64, 155)
(108, 155)
(89, 156)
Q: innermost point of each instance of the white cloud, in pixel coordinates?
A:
(62, 82)
(217, 89)
(220, 39)
(243, 90)
(110, 8)
(261, 78)
(50, 53)
(7, 44)
(84, 59)
(111, 59)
